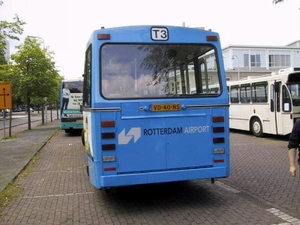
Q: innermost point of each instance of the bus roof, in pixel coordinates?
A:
(269, 76)
(136, 33)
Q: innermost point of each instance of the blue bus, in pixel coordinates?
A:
(70, 105)
(155, 106)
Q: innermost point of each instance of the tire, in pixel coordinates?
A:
(82, 137)
(87, 171)
(256, 127)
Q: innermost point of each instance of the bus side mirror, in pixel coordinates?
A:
(82, 75)
(277, 87)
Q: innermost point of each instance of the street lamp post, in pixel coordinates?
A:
(63, 70)
(238, 64)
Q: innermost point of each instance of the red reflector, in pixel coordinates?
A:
(103, 36)
(110, 123)
(211, 38)
(218, 119)
(218, 160)
(109, 168)
(219, 140)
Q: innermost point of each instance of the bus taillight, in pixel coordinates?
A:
(109, 123)
(108, 147)
(108, 135)
(103, 36)
(218, 129)
(211, 38)
(218, 140)
(218, 119)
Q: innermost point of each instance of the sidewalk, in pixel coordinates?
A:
(16, 153)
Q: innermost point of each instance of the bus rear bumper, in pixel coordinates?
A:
(157, 177)
(73, 126)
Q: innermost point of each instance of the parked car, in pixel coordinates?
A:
(5, 111)
(17, 110)
(31, 109)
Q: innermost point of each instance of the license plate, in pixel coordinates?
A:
(166, 107)
(75, 115)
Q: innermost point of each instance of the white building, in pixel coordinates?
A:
(241, 61)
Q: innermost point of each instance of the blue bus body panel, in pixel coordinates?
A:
(178, 147)
(153, 147)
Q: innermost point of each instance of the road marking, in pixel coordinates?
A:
(226, 187)
(274, 211)
(58, 195)
(284, 216)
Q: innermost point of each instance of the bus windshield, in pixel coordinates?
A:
(158, 71)
(295, 93)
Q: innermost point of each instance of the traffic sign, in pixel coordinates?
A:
(5, 95)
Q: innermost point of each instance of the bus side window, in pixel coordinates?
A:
(245, 93)
(272, 98)
(260, 92)
(87, 79)
(286, 100)
(234, 94)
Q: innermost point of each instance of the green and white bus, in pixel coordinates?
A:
(71, 116)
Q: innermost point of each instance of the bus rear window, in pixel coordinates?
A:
(158, 71)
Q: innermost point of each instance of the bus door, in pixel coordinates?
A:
(274, 107)
(288, 111)
(282, 108)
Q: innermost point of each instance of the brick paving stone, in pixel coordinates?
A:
(57, 191)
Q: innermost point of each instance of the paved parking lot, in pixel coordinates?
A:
(258, 191)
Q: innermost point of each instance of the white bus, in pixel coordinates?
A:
(268, 104)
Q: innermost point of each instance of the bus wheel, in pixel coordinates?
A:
(82, 137)
(107, 190)
(256, 127)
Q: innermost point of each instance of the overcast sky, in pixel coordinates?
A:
(66, 25)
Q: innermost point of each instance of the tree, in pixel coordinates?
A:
(35, 69)
(9, 30)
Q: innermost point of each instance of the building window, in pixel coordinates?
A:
(172, 87)
(279, 60)
(246, 60)
(178, 86)
(254, 60)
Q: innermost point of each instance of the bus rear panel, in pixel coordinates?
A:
(155, 106)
